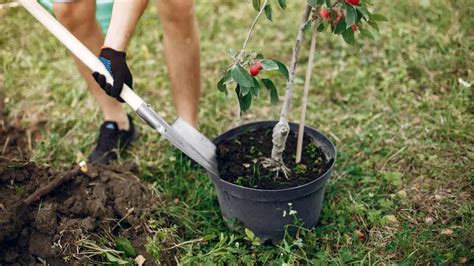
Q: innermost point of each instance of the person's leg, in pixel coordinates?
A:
(181, 41)
(79, 18)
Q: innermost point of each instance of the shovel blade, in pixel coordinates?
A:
(200, 142)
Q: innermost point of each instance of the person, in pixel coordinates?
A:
(182, 56)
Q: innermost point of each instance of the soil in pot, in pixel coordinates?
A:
(240, 161)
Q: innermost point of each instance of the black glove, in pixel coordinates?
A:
(115, 63)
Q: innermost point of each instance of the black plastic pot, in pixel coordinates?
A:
(266, 212)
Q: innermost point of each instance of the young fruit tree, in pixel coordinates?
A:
(341, 17)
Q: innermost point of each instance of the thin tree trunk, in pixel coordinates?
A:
(309, 70)
(281, 129)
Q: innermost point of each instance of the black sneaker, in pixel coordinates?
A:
(112, 139)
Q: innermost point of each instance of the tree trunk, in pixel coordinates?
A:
(281, 129)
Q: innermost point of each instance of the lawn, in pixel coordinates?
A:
(401, 119)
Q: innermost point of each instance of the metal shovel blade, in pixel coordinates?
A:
(184, 137)
(200, 142)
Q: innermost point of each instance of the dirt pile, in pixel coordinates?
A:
(69, 223)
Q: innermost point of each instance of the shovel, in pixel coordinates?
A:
(182, 135)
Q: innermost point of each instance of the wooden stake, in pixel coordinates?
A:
(309, 70)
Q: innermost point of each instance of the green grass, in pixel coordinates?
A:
(402, 191)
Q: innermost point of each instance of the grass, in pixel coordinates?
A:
(402, 191)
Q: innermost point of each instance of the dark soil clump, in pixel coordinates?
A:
(90, 209)
(106, 203)
(240, 160)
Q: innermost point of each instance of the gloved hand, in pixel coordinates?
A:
(115, 63)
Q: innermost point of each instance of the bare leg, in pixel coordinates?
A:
(181, 41)
(79, 18)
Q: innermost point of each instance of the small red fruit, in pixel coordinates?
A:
(254, 70)
(353, 2)
(259, 65)
(355, 27)
(324, 13)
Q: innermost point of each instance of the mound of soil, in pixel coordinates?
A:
(240, 161)
(104, 203)
(77, 208)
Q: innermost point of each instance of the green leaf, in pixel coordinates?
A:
(321, 26)
(282, 3)
(124, 245)
(221, 85)
(283, 69)
(209, 237)
(255, 89)
(363, 11)
(114, 260)
(256, 4)
(328, 3)
(245, 103)
(366, 33)
(269, 64)
(348, 36)
(378, 17)
(373, 24)
(227, 77)
(272, 90)
(241, 76)
(340, 27)
(268, 12)
(259, 56)
(244, 90)
(250, 235)
(351, 15)
(312, 3)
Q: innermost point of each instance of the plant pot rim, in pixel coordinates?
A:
(331, 145)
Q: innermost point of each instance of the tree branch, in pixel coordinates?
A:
(249, 33)
(52, 185)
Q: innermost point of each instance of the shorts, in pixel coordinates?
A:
(103, 11)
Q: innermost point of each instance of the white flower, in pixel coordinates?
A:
(298, 242)
(464, 83)
(292, 212)
(284, 213)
